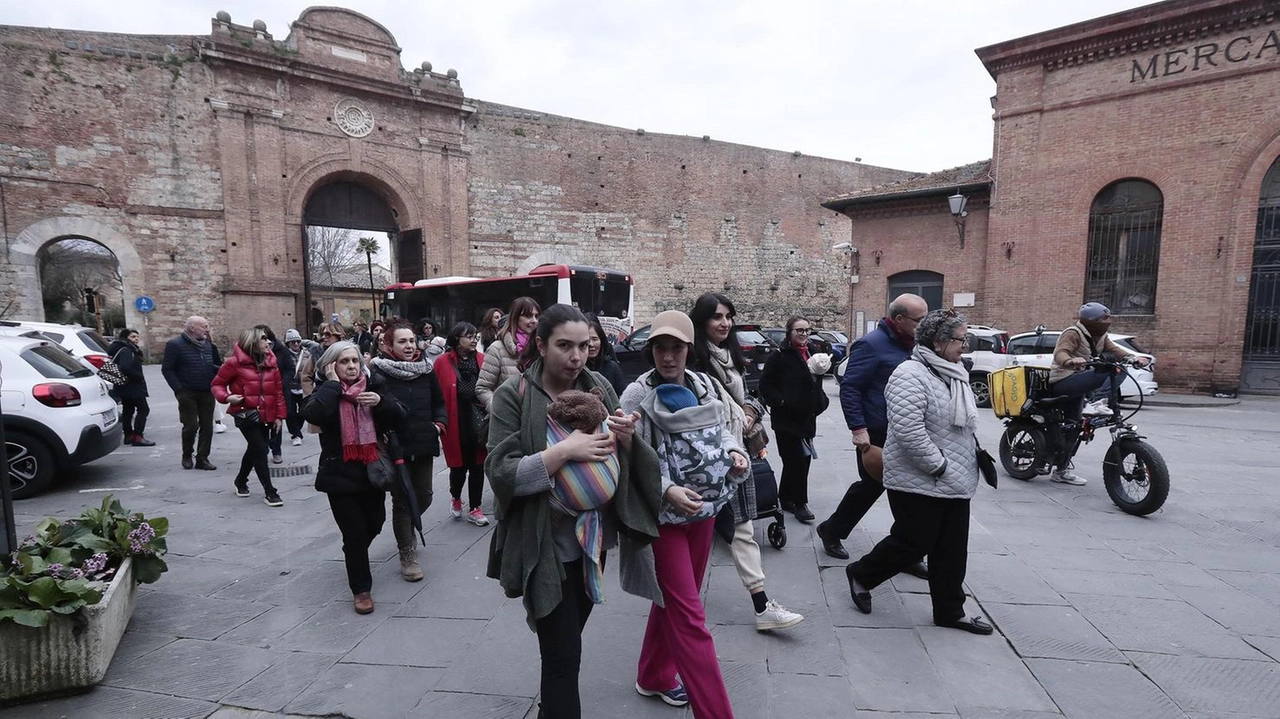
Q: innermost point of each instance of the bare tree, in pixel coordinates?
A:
(69, 267)
(330, 252)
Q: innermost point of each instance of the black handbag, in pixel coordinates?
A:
(480, 424)
(248, 418)
(986, 464)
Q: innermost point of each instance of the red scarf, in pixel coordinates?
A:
(906, 339)
(803, 349)
(359, 437)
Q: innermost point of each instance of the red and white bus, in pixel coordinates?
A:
(448, 300)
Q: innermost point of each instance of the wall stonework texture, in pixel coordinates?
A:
(193, 157)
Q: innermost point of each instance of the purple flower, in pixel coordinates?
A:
(95, 564)
(54, 569)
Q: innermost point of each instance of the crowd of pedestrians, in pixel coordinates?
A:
(673, 459)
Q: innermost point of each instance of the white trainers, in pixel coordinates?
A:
(297, 442)
(1066, 476)
(1097, 409)
(477, 518)
(219, 428)
(776, 616)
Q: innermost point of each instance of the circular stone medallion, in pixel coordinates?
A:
(352, 117)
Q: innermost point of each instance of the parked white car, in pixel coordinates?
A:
(56, 412)
(1036, 348)
(83, 342)
(987, 349)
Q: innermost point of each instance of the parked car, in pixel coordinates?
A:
(838, 342)
(756, 348)
(1036, 348)
(57, 414)
(83, 342)
(778, 335)
(987, 351)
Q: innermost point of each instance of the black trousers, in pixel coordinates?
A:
(858, 498)
(930, 526)
(560, 645)
(133, 416)
(475, 489)
(255, 455)
(793, 486)
(360, 516)
(195, 411)
(294, 420)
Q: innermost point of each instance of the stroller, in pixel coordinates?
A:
(767, 501)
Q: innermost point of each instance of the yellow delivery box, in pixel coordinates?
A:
(1014, 388)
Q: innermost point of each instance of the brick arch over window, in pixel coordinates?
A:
(1124, 247)
(25, 249)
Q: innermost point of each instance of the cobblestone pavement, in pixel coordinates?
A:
(1098, 614)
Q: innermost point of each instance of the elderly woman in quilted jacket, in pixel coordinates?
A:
(249, 380)
(930, 472)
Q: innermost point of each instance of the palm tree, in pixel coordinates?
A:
(369, 245)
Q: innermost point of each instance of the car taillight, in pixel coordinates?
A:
(96, 360)
(746, 347)
(56, 394)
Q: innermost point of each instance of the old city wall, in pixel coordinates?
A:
(113, 144)
(1201, 133)
(684, 215)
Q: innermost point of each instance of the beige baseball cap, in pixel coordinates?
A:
(674, 323)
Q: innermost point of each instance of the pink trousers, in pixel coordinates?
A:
(677, 639)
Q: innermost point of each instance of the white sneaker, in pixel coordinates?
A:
(1066, 476)
(297, 442)
(219, 428)
(477, 518)
(1097, 409)
(776, 616)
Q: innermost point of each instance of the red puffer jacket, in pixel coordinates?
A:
(261, 386)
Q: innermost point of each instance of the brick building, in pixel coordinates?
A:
(1134, 162)
(200, 160)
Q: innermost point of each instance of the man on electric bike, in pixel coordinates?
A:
(1085, 340)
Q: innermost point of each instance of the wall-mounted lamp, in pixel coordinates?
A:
(1008, 246)
(876, 255)
(958, 202)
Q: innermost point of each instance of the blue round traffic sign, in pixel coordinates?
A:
(144, 304)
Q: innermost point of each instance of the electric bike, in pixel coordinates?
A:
(1135, 474)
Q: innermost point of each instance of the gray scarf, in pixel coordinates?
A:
(400, 369)
(722, 367)
(964, 410)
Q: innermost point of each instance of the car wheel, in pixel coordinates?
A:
(30, 464)
(981, 385)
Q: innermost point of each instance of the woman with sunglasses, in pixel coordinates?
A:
(930, 473)
(793, 392)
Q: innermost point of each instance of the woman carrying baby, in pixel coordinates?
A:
(564, 495)
(701, 463)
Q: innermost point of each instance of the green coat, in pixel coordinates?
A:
(522, 551)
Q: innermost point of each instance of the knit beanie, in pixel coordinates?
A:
(676, 397)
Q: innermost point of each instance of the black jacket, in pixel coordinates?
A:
(793, 394)
(128, 358)
(285, 362)
(612, 371)
(423, 404)
(185, 368)
(321, 409)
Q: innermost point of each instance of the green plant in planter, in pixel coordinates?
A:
(66, 565)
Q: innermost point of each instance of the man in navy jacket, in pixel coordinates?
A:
(190, 362)
(871, 360)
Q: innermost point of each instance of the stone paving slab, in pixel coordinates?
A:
(810, 647)
(1106, 583)
(134, 644)
(273, 689)
(416, 642)
(191, 616)
(106, 702)
(1154, 625)
(1051, 632)
(1182, 574)
(455, 704)
(982, 672)
(366, 691)
(890, 671)
(1007, 578)
(1263, 586)
(1094, 690)
(886, 605)
(264, 629)
(748, 684)
(192, 668)
(1234, 609)
(1080, 558)
(800, 695)
(505, 642)
(203, 577)
(334, 629)
(1267, 645)
(1215, 685)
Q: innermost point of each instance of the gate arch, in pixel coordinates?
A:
(1260, 369)
(25, 249)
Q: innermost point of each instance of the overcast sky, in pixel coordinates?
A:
(895, 82)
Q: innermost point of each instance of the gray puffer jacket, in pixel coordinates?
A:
(924, 452)
(501, 363)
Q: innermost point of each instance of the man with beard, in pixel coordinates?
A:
(190, 363)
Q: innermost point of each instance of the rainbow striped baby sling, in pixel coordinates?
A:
(580, 489)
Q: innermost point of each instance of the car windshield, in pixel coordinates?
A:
(54, 362)
(751, 337)
(836, 336)
(93, 340)
(1129, 344)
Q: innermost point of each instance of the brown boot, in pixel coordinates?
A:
(409, 568)
(364, 603)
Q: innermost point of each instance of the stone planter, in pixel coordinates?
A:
(72, 653)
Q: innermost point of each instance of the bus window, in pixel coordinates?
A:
(605, 298)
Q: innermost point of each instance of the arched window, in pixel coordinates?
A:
(918, 282)
(1124, 247)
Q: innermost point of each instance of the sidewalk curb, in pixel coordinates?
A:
(1173, 400)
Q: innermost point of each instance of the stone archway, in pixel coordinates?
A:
(546, 257)
(25, 249)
